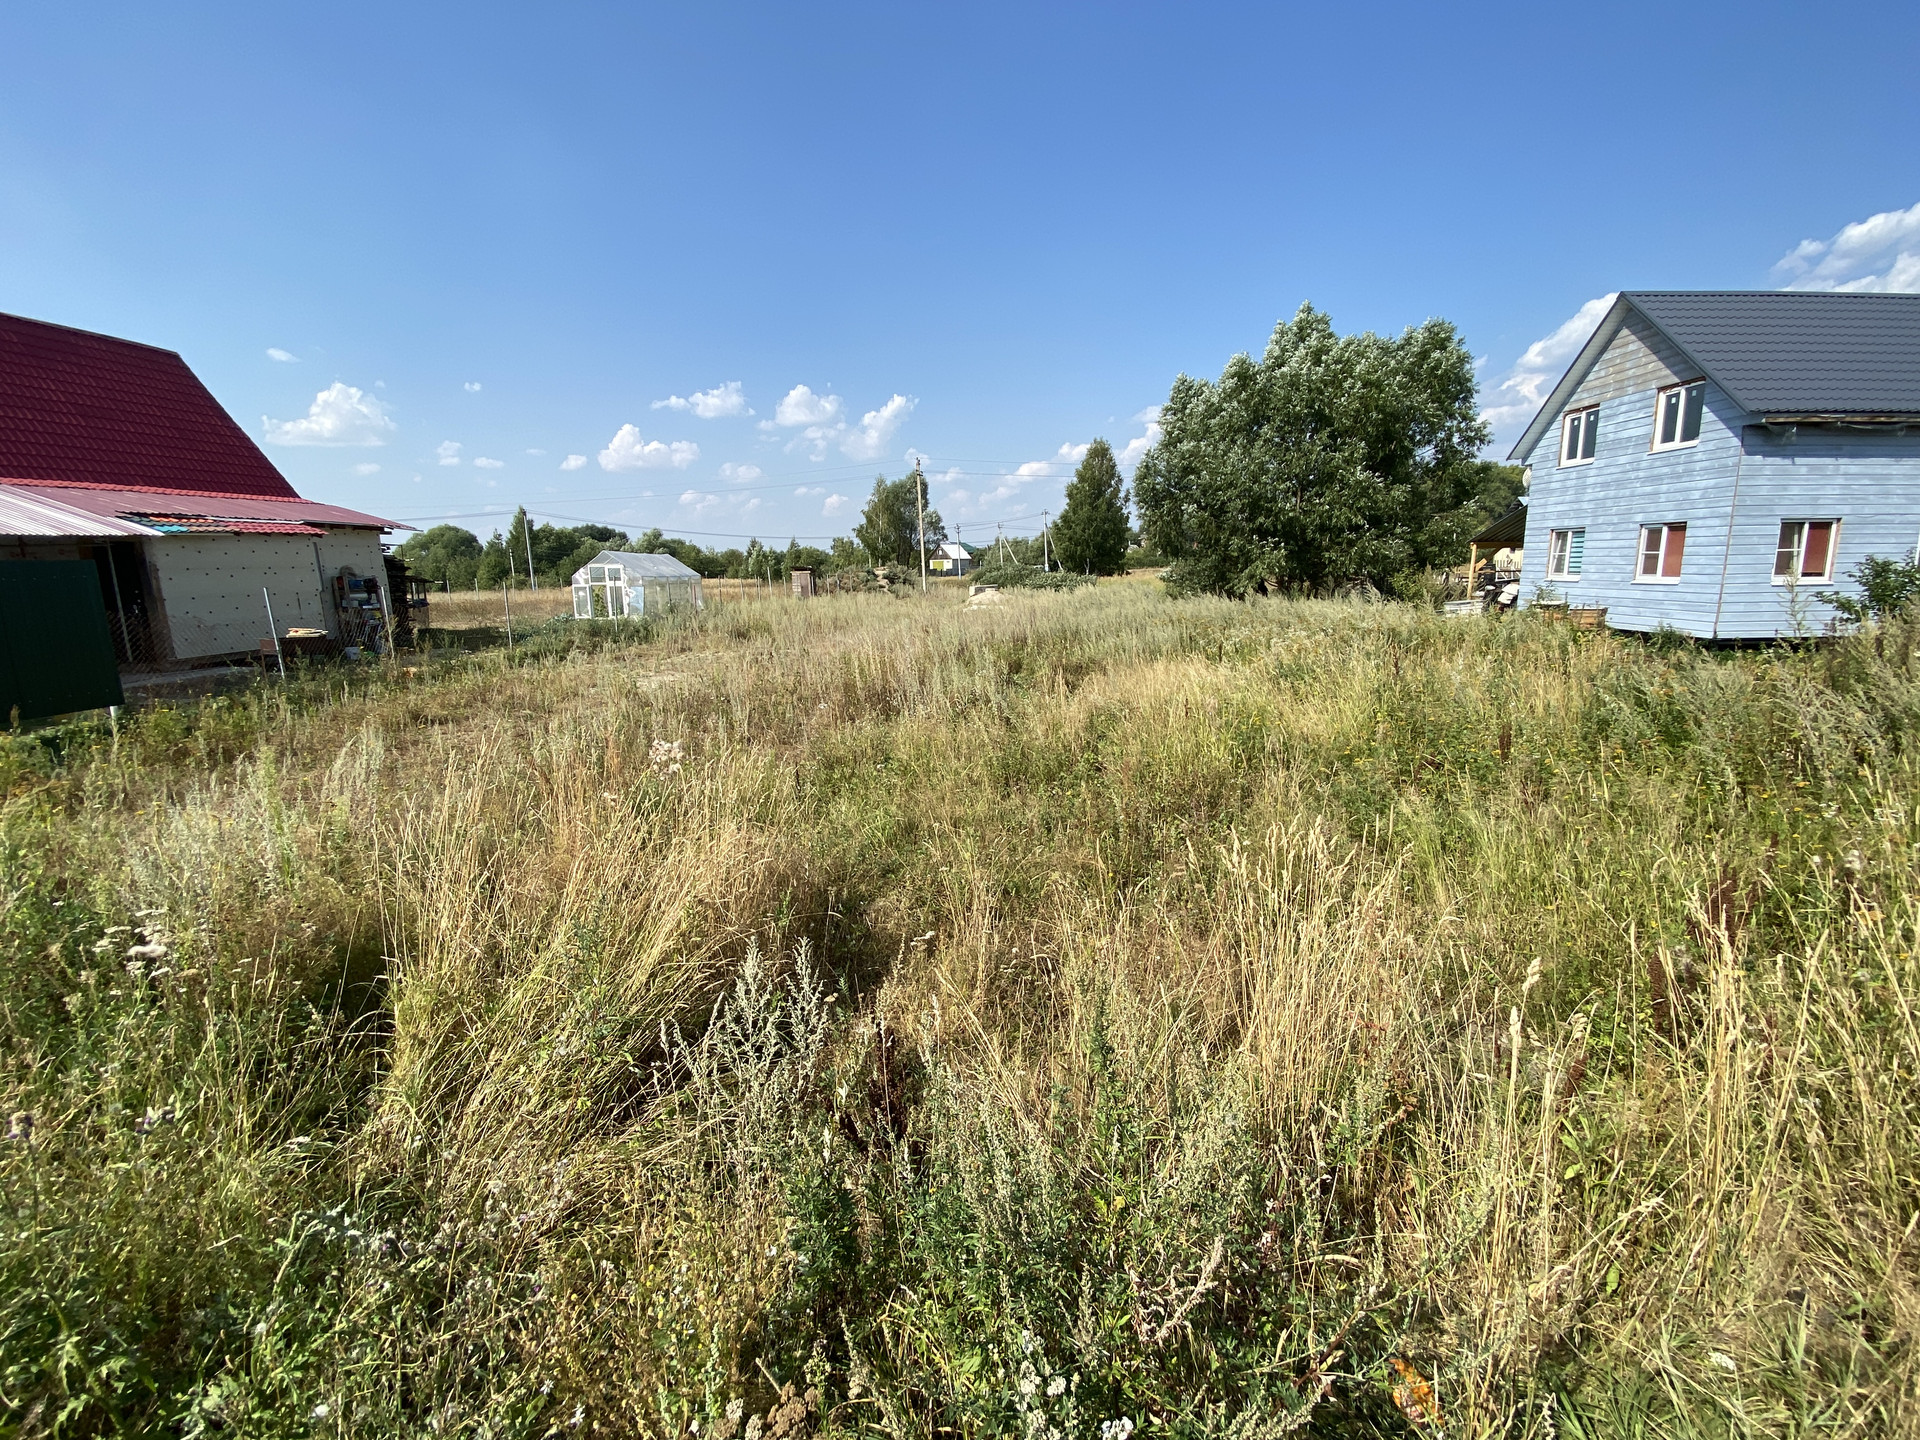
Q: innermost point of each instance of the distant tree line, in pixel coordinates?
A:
(452, 555)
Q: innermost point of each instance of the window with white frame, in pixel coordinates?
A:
(1805, 551)
(1579, 434)
(604, 594)
(1676, 415)
(1662, 547)
(1566, 549)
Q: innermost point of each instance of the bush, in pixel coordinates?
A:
(1027, 577)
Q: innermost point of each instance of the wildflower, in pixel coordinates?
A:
(1116, 1429)
(20, 1127)
(580, 1414)
(320, 1411)
(1057, 1386)
(665, 756)
(1724, 1361)
(152, 950)
(154, 1117)
(1414, 1395)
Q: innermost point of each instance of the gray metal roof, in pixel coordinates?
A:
(1776, 352)
(1793, 352)
(645, 567)
(22, 513)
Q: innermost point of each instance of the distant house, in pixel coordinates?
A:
(113, 456)
(620, 582)
(1711, 459)
(954, 558)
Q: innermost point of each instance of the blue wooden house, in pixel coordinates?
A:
(1712, 459)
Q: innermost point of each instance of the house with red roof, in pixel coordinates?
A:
(113, 453)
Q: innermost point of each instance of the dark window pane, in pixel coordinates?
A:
(1786, 555)
(1590, 434)
(1696, 399)
(1669, 416)
(1573, 437)
(1650, 550)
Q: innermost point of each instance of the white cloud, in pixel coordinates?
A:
(805, 490)
(1135, 450)
(628, 451)
(366, 467)
(339, 415)
(1880, 253)
(833, 505)
(740, 474)
(471, 386)
(573, 462)
(875, 433)
(486, 464)
(1523, 389)
(448, 451)
(800, 406)
(714, 404)
(536, 452)
(274, 352)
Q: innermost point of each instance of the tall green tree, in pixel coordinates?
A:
(446, 553)
(1090, 537)
(889, 527)
(1331, 459)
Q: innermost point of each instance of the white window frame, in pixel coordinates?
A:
(1666, 529)
(1560, 551)
(1588, 416)
(610, 581)
(1682, 399)
(1799, 575)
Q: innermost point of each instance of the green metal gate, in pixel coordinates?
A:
(56, 653)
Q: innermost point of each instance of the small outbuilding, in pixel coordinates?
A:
(620, 582)
(954, 557)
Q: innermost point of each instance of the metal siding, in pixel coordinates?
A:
(56, 653)
(1629, 485)
(1868, 480)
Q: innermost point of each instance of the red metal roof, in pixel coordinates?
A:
(83, 409)
(119, 502)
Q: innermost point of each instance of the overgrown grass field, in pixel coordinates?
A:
(1091, 1015)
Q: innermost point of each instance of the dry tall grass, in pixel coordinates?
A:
(1090, 1013)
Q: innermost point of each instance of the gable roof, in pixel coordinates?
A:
(646, 567)
(1777, 353)
(80, 409)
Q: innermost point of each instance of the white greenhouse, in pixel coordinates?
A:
(618, 582)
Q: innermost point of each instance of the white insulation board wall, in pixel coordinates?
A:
(210, 585)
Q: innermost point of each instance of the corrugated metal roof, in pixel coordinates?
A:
(222, 525)
(78, 408)
(96, 500)
(1509, 529)
(1798, 353)
(647, 567)
(25, 514)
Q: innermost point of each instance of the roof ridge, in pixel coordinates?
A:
(6, 315)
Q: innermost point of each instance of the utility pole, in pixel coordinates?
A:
(1046, 559)
(920, 509)
(506, 595)
(526, 530)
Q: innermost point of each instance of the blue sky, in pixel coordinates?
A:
(739, 259)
